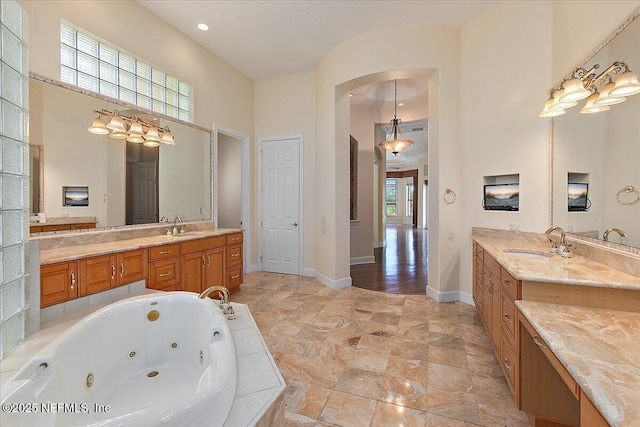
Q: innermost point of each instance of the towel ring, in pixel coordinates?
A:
(449, 196)
(626, 190)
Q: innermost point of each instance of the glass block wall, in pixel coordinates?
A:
(14, 177)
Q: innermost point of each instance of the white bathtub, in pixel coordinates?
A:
(118, 367)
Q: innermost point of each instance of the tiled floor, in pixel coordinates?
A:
(359, 358)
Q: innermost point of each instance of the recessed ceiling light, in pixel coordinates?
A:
(350, 95)
(400, 104)
(203, 27)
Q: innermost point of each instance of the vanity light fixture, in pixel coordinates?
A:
(133, 129)
(397, 142)
(585, 83)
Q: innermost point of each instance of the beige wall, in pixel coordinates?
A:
(283, 106)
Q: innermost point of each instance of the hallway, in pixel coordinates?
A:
(400, 267)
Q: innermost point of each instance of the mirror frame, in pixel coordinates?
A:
(126, 105)
(634, 15)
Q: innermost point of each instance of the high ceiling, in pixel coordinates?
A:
(264, 39)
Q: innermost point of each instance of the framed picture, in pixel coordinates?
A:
(75, 196)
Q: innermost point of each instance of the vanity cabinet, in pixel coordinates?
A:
(164, 267)
(104, 272)
(203, 263)
(61, 227)
(234, 270)
(494, 293)
(58, 283)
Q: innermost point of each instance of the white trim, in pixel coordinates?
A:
(333, 284)
(252, 268)
(261, 140)
(363, 260)
(309, 272)
(450, 296)
(245, 207)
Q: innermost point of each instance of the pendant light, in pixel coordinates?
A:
(397, 142)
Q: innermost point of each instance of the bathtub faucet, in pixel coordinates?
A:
(224, 299)
(605, 235)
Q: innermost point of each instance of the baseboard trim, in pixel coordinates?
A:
(450, 296)
(252, 268)
(309, 272)
(333, 284)
(363, 260)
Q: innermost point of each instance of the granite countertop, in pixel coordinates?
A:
(600, 349)
(576, 270)
(84, 249)
(60, 220)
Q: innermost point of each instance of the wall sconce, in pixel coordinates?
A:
(133, 129)
(585, 83)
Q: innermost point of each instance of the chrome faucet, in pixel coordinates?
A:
(164, 219)
(554, 246)
(224, 299)
(605, 235)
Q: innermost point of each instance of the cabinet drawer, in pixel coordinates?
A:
(235, 278)
(61, 227)
(82, 226)
(492, 265)
(163, 274)
(200, 245)
(509, 363)
(234, 238)
(163, 252)
(509, 317)
(479, 252)
(234, 255)
(510, 284)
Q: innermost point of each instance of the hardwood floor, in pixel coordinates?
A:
(400, 267)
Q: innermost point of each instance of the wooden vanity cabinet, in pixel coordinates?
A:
(494, 293)
(104, 272)
(203, 263)
(164, 267)
(58, 283)
(234, 270)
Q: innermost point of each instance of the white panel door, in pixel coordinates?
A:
(280, 205)
(145, 191)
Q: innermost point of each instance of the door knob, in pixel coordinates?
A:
(295, 224)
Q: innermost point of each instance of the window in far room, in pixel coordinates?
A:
(391, 197)
(409, 210)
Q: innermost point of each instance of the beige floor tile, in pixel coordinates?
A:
(448, 356)
(407, 392)
(305, 398)
(360, 382)
(348, 410)
(389, 415)
(433, 420)
(296, 420)
(454, 404)
(449, 377)
(326, 375)
(401, 367)
(369, 360)
(494, 412)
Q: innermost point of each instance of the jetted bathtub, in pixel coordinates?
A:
(164, 359)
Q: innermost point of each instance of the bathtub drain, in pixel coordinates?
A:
(89, 381)
(132, 355)
(152, 374)
(174, 345)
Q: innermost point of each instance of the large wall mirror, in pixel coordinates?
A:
(179, 182)
(600, 153)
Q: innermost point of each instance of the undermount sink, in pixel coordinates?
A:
(188, 234)
(527, 253)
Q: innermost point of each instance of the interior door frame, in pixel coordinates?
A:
(411, 173)
(246, 178)
(261, 141)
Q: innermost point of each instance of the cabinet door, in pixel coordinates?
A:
(193, 271)
(58, 283)
(487, 308)
(496, 314)
(132, 266)
(97, 274)
(216, 269)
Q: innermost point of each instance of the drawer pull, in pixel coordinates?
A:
(73, 280)
(208, 260)
(204, 263)
(507, 317)
(235, 255)
(235, 277)
(121, 269)
(507, 282)
(507, 364)
(490, 286)
(168, 251)
(165, 274)
(113, 271)
(536, 339)
(235, 239)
